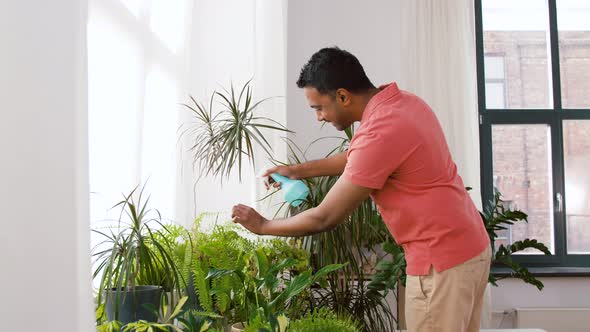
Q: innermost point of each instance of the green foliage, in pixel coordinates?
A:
(324, 320)
(194, 321)
(352, 241)
(173, 238)
(390, 272)
(165, 322)
(496, 217)
(221, 139)
(274, 324)
(135, 250)
(112, 326)
(222, 249)
(270, 287)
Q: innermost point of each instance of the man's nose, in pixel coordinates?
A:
(319, 116)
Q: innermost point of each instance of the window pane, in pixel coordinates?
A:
(494, 66)
(495, 95)
(518, 31)
(523, 174)
(574, 52)
(576, 141)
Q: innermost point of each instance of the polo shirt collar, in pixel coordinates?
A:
(387, 91)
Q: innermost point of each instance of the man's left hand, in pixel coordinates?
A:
(249, 218)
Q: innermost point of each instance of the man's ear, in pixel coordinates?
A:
(343, 96)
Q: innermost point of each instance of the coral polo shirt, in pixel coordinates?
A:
(400, 151)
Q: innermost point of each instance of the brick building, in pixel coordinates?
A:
(518, 75)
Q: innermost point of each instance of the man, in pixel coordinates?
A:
(399, 157)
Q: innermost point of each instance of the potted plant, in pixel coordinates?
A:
(221, 139)
(130, 250)
(356, 241)
(221, 249)
(270, 289)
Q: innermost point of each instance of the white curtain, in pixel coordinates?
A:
(438, 64)
(137, 65)
(145, 57)
(248, 43)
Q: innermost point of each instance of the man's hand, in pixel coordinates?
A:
(338, 204)
(249, 218)
(286, 171)
(333, 165)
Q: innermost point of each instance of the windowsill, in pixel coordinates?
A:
(548, 271)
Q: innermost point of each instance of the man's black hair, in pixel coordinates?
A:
(330, 69)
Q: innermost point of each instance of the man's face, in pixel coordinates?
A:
(329, 108)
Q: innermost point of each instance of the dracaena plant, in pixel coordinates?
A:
(221, 139)
(134, 250)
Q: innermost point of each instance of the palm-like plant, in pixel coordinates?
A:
(133, 249)
(221, 139)
(354, 242)
(496, 218)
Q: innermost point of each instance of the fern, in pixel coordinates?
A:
(201, 286)
(222, 290)
(324, 320)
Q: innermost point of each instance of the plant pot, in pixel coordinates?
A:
(238, 327)
(131, 304)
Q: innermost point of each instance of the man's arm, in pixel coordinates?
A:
(338, 204)
(333, 165)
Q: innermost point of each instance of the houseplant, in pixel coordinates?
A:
(220, 249)
(271, 288)
(355, 241)
(130, 250)
(221, 139)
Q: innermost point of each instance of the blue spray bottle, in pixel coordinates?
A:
(295, 191)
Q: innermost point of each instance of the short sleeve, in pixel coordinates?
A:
(380, 146)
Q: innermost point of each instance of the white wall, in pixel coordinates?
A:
(558, 292)
(369, 30)
(44, 241)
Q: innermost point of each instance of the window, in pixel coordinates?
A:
(136, 54)
(534, 104)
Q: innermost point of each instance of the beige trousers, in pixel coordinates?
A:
(449, 301)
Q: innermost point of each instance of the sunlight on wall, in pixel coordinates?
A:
(134, 6)
(114, 77)
(160, 124)
(168, 22)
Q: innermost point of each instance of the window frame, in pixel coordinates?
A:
(560, 263)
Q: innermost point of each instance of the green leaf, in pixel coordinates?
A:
(178, 309)
(218, 273)
(261, 262)
(326, 270)
(529, 243)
